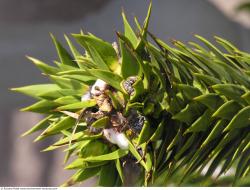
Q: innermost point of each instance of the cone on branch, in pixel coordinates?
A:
(167, 109)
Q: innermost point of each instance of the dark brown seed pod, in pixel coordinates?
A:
(128, 85)
(118, 120)
(136, 122)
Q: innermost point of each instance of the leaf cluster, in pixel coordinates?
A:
(195, 99)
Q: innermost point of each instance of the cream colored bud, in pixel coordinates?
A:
(115, 137)
(98, 87)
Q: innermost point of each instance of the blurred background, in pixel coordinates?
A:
(24, 30)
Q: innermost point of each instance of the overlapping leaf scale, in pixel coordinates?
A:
(225, 115)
